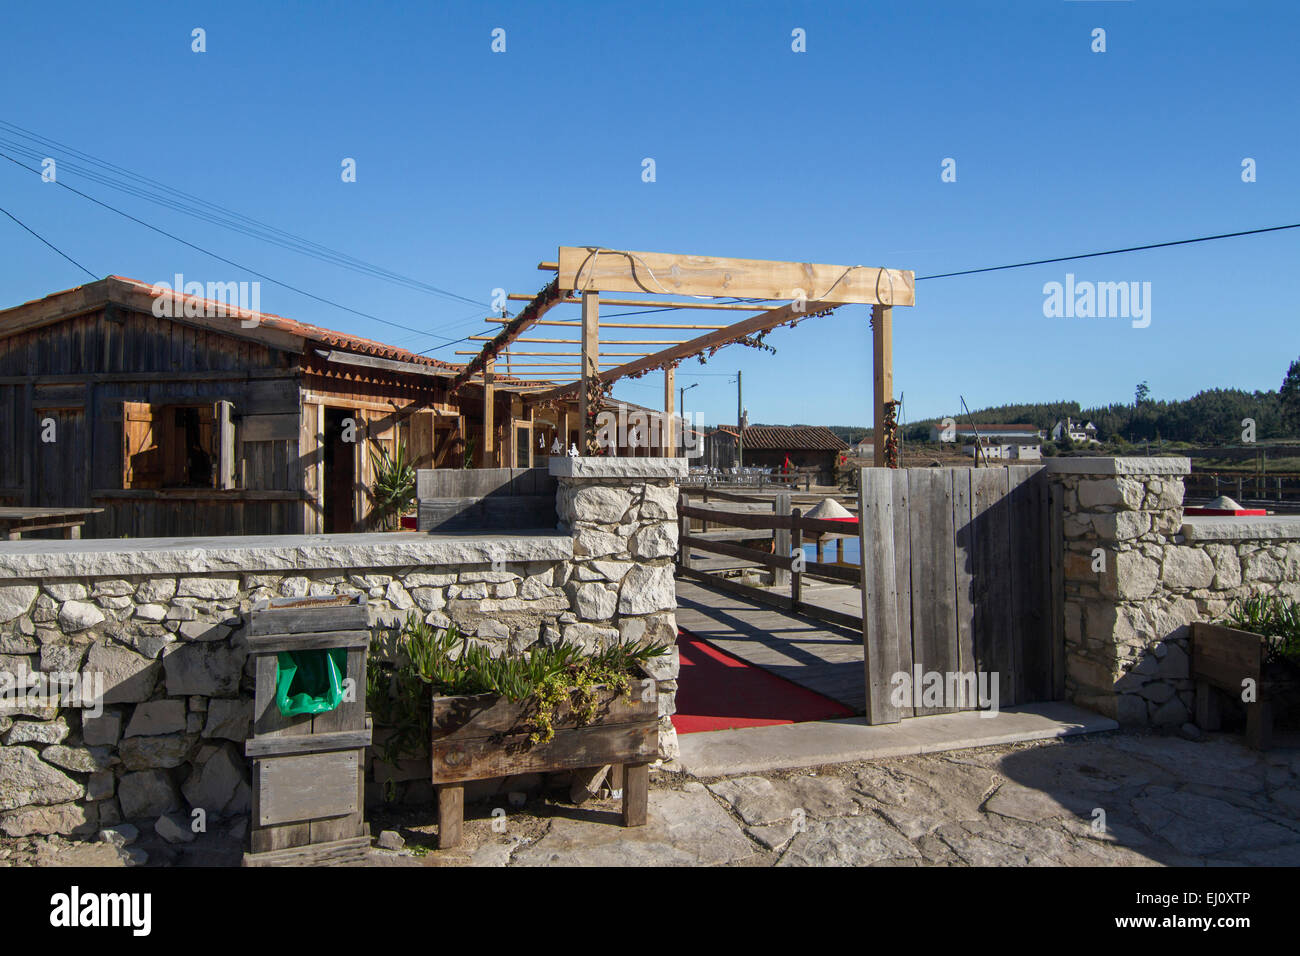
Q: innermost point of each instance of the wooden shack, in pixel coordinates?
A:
(800, 447)
(208, 420)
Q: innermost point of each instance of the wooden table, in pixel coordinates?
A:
(14, 521)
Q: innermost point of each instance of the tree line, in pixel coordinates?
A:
(1213, 416)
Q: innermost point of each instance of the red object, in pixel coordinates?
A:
(717, 691)
(410, 521)
(1234, 512)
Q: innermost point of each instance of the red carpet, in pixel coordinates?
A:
(717, 691)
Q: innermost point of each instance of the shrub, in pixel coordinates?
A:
(394, 484)
(442, 661)
(1271, 616)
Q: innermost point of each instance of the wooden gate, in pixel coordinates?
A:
(961, 575)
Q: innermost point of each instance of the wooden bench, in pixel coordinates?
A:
(14, 522)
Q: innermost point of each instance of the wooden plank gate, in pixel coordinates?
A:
(961, 577)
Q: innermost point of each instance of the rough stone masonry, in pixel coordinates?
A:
(161, 620)
(1126, 625)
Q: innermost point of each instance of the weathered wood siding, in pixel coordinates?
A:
(81, 371)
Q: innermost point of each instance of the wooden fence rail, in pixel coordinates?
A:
(786, 558)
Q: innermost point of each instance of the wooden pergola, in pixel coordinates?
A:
(674, 287)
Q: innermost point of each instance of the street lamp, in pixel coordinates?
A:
(681, 408)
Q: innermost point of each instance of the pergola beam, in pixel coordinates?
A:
(541, 304)
(612, 270)
(513, 354)
(750, 326)
(484, 338)
(659, 303)
(572, 323)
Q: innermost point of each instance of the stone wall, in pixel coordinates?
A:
(622, 513)
(1137, 573)
(160, 623)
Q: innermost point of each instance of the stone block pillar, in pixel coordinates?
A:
(1126, 613)
(622, 513)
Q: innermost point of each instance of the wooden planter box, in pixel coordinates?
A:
(485, 736)
(1222, 658)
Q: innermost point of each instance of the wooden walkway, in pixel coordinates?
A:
(821, 657)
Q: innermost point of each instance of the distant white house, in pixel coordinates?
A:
(1022, 451)
(987, 433)
(863, 449)
(1081, 432)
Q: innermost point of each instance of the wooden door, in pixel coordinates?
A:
(960, 576)
(59, 474)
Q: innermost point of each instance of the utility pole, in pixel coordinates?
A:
(740, 425)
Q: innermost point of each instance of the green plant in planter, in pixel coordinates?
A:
(393, 490)
(429, 660)
(1273, 617)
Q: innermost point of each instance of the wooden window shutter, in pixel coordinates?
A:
(141, 461)
(223, 433)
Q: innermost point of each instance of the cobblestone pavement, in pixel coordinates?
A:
(1120, 799)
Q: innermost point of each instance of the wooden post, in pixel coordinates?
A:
(882, 356)
(1208, 716)
(683, 529)
(224, 414)
(636, 794)
(796, 552)
(532, 436)
(451, 814)
(489, 426)
(590, 365)
(512, 434)
(668, 433)
(781, 539)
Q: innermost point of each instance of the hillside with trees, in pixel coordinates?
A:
(1213, 416)
(1210, 417)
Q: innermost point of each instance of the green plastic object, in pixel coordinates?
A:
(310, 682)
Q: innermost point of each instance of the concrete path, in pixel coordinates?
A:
(812, 744)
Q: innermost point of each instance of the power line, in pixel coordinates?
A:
(1113, 252)
(48, 243)
(213, 213)
(220, 258)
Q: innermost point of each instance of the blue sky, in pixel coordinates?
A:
(473, 166)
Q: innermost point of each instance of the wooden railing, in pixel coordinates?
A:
(786, 558)
(1277, 488)
(775, 480)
